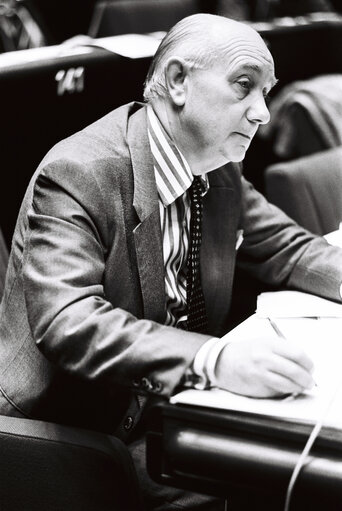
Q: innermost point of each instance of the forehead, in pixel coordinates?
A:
(248, 54)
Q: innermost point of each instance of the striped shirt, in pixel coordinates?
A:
(173, 178)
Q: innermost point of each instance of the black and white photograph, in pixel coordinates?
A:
(171, 255)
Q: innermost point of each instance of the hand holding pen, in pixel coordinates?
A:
(262, 366)
(280, 334)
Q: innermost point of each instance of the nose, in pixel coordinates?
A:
(258, 111)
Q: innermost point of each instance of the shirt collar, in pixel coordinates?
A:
(172, 171)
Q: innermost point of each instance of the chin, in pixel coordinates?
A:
(236, 153)
(237, 156)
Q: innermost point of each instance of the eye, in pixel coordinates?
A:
(245, 84)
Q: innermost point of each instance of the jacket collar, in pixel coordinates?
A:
(145, 199)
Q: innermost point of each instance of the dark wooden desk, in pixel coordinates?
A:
(247, 459)
(47, 97)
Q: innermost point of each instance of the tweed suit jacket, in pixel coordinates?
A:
(82, 339)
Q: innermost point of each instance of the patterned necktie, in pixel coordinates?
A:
(197, 317)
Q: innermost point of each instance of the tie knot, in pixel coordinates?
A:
(196, 188)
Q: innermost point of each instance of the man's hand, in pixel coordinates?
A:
(263, 367)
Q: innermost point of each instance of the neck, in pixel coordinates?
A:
(171, 120)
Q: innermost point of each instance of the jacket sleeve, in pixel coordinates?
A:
(72, 322)
(278, 251)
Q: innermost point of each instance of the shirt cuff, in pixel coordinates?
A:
(201, 375)
(199, 364)
(212, 358)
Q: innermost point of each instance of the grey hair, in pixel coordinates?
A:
(195, 39)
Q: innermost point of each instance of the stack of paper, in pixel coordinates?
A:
(134, 46)
(295, 304)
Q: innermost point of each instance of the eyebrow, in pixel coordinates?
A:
(257, 68)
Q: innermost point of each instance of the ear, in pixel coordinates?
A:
(176, 74)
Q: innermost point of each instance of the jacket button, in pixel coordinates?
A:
(128, 423)
(145, 383)
(158, 386)
(136, 383)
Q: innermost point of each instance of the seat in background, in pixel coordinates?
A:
(309, 189)
(45, 466)
(306, 117)
(307, 47)
(118, 17)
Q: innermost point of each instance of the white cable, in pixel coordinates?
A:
(313, 435)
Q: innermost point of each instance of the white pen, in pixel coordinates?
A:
(276, 329)
(282, 336)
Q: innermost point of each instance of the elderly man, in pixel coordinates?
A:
(110, 300)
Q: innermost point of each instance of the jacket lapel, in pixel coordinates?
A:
(221, 210)
(147, 234)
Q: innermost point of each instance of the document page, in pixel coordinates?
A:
(335, 237)
(134, 46)
(295, 304)
(321, 339)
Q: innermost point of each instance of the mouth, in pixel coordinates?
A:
(243, 135)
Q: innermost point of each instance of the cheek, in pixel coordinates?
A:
(203, 120)
(213, 118)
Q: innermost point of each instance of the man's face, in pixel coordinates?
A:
(225, 104)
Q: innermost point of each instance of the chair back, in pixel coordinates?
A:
(139, 16)
(309, 189)
(45, 466)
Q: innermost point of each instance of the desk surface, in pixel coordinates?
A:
(50, 93)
